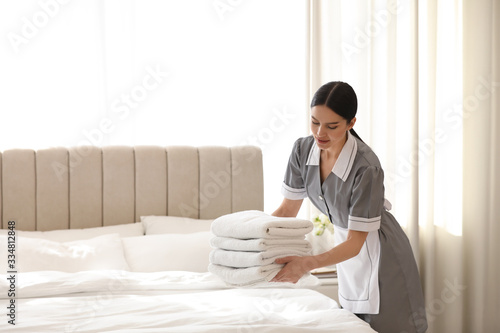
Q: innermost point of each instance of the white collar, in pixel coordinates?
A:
(344, 163)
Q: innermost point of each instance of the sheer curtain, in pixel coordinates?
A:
(155, 72)
(427, 78)
(481, 208)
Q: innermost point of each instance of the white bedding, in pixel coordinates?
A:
(124, 301)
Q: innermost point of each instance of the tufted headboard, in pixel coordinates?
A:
(81, 187)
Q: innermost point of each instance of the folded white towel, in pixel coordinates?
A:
(260, 244)
(245, 276)
(256, 224)
(249, 259)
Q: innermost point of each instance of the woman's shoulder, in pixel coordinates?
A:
(303, 145)
(366, 157)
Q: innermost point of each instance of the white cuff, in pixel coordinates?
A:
(364, 224)
(293, 193)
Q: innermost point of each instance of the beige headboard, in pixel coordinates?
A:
(80, 187)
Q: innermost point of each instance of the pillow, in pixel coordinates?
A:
(154, 225)
(124, 230)
(168, 252)
(35, 254)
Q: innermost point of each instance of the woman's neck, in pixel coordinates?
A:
(334, 151)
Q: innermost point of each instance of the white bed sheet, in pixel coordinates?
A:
(122, 301)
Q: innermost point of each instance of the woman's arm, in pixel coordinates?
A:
(288, 208)
(342, 252)
(296, 267)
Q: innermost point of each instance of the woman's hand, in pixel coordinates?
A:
(295, 268)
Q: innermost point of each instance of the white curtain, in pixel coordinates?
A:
(481, 223)
(427, 78)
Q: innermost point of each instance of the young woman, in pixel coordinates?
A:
(377, 273)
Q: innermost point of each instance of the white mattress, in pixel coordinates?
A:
(123, 301)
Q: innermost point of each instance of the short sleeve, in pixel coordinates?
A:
(293, 185)
(367, 200)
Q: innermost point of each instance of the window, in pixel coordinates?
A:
(221, 72)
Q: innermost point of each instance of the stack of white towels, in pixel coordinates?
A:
(247, 243)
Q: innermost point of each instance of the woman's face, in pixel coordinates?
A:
(329, 129)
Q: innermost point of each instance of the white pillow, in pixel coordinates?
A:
(168, 252)
(35, 254)
(154, 225)
(124, 230)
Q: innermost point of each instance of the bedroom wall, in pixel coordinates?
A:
(155, 73)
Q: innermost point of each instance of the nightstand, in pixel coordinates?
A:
(328, 283)
(329, 287)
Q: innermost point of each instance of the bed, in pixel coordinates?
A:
(116, 239)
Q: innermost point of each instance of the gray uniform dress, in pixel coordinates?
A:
(381, 284)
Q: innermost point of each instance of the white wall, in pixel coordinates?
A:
(157, 73)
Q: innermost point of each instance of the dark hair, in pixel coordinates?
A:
(339, 97)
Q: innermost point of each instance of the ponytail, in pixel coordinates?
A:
(353, 132)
